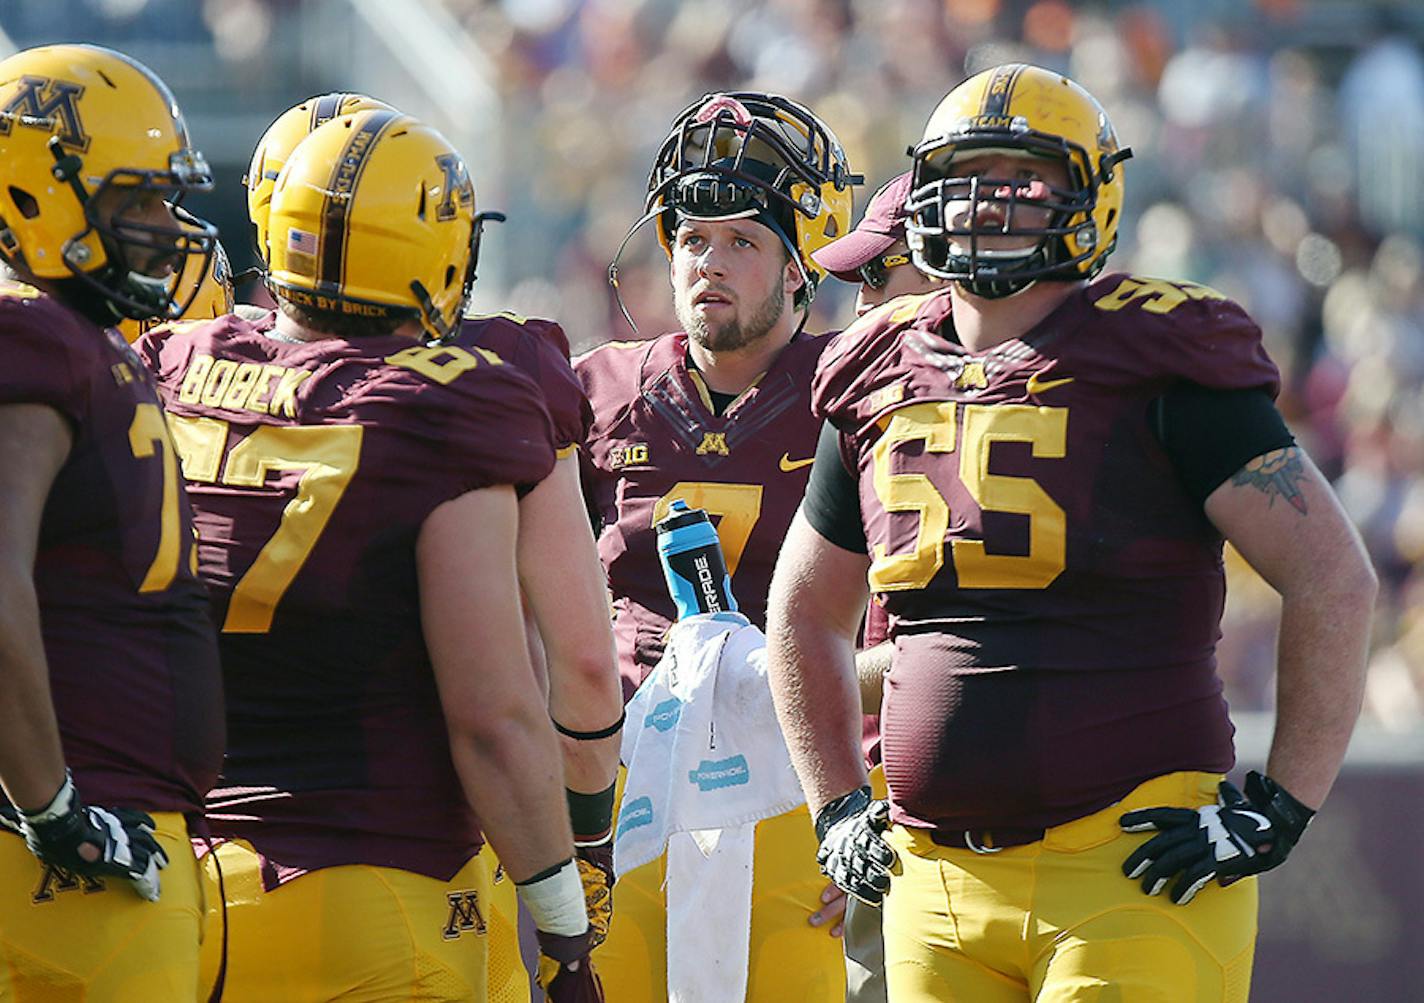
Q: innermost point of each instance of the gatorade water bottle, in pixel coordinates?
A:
(692, 562)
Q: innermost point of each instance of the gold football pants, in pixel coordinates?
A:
(67, 938)
(508, 979)
(1056, 922)
(356, 933)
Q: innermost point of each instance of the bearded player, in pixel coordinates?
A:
(745, 187)
(111, 724)
(560, 576)
(1047, 460)
(356, 507)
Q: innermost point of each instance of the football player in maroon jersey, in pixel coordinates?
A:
(560, 575)
(355, 476)
(1035, 471)
(111, 723)
(744, 188)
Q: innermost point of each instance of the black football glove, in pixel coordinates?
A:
(595, 866)
(1237, 836)
(565, 972)
(852, 852)
(120, 840)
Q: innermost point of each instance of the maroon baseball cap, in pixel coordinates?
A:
(881, 226)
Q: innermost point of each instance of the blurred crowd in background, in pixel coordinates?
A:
(1279, 158)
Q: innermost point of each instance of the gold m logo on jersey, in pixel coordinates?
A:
(464, 915)
(630, 455)
(57, 879)
(51, 105)
(714, 442)
(971, 377)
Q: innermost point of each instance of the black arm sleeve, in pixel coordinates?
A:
(832, 502)
(1210, 434)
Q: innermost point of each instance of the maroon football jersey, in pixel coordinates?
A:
(133, 660)
(655, 438)
(1054, 592)
(311, 468)
(539, 349)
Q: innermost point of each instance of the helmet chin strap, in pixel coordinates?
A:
(651, 214)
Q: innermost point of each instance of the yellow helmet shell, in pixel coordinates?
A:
(374, 214)
(1029, 109)
(278, 142)
(96, 117)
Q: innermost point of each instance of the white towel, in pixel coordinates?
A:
(706, 762)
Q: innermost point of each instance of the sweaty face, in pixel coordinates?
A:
(1005, 175)
(900, 280)
(729, 281)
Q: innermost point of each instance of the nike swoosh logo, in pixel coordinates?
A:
(1037, 386)
(1263, 824)
(787, 464)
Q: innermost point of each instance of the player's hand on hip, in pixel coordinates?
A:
(833, 907)
(853, 852)
(1238, 836)
(96, 842)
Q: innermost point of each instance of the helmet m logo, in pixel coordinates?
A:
(51, 105)
(464, 915)
(457, 186)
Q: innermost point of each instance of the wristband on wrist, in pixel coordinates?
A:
(833, 811)
(591, 815)
(58, 806)
(554, 898)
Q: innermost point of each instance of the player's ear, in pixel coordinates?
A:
(791, 278)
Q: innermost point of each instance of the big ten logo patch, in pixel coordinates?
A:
(464, 916)
(629, 454)
(56, 879)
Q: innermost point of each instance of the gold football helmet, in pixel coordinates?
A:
(1016, 109)
(374, 214)
(746, 154)
(277, 144)
(89, 140)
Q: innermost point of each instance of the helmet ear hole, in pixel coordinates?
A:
(25, 202)
(449, 275)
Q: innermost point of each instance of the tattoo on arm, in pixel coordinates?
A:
(1277, 473)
